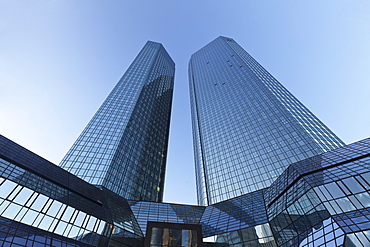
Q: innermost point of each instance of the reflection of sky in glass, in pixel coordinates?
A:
(305, 209)
(124, 146)
(247, 127)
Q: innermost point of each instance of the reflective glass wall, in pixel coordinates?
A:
(124, 146)
(43, 205)
(247, 128)
(161, 234)
(320, 201)
(325, 200)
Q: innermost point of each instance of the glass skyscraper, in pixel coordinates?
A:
(247, 128)
(124, 146)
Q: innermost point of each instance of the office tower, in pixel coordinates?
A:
(124, 146)
(323, 200)
(247, 128)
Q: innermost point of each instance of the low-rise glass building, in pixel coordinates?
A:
(320, 201)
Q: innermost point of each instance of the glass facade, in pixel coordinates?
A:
(323, 200)
(165, 212)
(247, 128)
(124, 146)
(320, 201)
(161, 234)
(43, 205)
(260, 159)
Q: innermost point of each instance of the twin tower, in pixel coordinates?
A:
(247, 128)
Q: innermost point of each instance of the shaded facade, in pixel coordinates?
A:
(320, 201)
(247, 128)
(124, 146)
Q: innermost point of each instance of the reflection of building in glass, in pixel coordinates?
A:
(124, 146)
(296, 210)
(79, 214)
(247, 127)
(173, 234)
(322, 200)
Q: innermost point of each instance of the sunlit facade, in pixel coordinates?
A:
(247, 128)
(124, 146)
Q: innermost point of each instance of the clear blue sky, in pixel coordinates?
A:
(60, 59)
